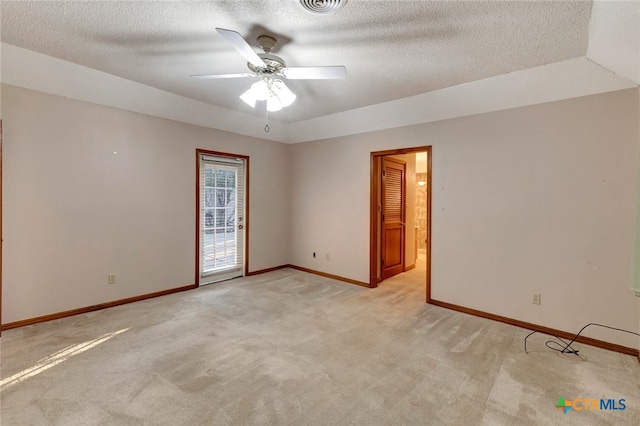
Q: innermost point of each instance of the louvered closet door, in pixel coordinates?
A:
(393, 214)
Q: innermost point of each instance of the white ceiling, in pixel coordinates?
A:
(392, 49)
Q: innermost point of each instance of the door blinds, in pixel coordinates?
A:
(222, 189)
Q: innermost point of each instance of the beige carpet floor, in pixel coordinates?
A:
(289, 347)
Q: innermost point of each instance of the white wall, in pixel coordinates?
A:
(538, 199)
(74, 211)
(330, 207)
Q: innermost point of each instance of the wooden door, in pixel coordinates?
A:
(393, 216)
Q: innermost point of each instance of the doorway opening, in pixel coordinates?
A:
(400, 214)
(221, 222)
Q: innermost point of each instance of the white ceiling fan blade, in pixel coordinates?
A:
(315, 73)
(241, 45)
(240, 75)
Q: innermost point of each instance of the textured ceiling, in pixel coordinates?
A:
(392, 49)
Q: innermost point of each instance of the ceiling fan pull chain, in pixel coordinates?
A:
(266, 119)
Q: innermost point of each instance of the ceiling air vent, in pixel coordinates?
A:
(323, 7)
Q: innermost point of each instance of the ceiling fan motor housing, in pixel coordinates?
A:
(273, 64)
(267, 43)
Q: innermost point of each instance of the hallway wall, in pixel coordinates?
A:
(421, 210)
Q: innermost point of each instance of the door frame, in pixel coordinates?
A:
(200, 152)
(375, 218)
(1, 244)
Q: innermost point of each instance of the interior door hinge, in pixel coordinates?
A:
(384, 173)
(382, 262)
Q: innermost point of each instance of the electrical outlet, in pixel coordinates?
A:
(111, 278)
(535, 299)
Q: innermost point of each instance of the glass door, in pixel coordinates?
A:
(221, 218)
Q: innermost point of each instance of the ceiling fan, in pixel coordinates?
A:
(271, 69)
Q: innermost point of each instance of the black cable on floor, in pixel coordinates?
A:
(567, 348)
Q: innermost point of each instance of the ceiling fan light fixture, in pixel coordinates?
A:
(255, 93)
(261, 90)
(283, 93)
(249, 98)
(274, 104)
(323, 7)
(274, 91)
